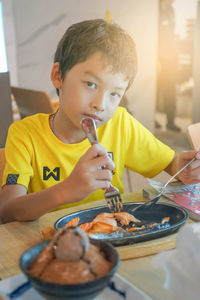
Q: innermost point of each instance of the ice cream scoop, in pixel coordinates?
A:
(72, 244)
(70, 258)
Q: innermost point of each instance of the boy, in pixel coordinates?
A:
(50, 163)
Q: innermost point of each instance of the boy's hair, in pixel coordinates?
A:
(83, 39)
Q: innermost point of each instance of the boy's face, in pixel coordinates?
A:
(90, 89)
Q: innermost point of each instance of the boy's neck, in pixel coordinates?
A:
(65, 130)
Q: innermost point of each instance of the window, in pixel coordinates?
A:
(3, 60)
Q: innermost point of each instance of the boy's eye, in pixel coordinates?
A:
(116, 95)
(91, 84)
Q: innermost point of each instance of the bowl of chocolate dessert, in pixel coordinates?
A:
(70, 265)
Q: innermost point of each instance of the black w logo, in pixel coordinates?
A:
(47, 173)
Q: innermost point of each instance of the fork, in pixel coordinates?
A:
(111, 194)
(162, 190)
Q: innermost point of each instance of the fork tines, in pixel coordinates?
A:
(115, 204)
(114, 200)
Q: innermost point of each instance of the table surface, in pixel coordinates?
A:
(16, 237)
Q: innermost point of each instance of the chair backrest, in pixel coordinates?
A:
(193, 132)
(2, 164)
(6, 117)
(30, 102)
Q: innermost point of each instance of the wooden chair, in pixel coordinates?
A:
(30, 102)
(2, 164)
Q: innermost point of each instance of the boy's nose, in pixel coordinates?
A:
(98, 103)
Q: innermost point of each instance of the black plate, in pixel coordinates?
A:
(153, 213)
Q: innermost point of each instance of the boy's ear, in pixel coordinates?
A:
(55, 76)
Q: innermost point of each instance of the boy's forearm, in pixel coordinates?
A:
(31, 206)
(172, 168)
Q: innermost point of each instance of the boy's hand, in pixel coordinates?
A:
(88, 174)
(191, 174)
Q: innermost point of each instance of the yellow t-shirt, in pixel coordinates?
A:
(37, 159)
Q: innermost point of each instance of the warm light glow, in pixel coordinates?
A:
(184, 9)
(3, 60)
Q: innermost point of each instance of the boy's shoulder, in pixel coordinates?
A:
(121, 113)
(123, 118)
(37, 120)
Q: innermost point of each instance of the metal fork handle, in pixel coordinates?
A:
(148, 203)
(155, 200)
(89, 127)
(179, 171)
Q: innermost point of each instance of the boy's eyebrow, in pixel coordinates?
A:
(99, 79)
(93, 75)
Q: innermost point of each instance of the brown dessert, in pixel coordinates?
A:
(70, 258)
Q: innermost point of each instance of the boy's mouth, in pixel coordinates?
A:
(94, 117)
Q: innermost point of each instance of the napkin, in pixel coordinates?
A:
(182, 265)
(187, 196)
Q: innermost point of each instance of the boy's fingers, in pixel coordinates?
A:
(197, 153)
(192, 173)
(94, 151)
(99, 157)
(190, 154)
(103, 184)
(103, 175)
(194, 165)
(104, 162)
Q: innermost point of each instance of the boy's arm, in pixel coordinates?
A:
(16, 204)
(86, 177)
(189, 175)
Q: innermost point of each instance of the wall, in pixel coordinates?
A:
(196, 70)
(40, 24)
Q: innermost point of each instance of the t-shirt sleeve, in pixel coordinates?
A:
(18, 153)
(145, 154)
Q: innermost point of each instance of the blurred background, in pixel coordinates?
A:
(165, 95)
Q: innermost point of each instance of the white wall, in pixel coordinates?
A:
(39, 25)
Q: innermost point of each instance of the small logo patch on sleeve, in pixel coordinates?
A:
(12, 178)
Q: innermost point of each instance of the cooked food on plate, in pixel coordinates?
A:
(111, 222)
